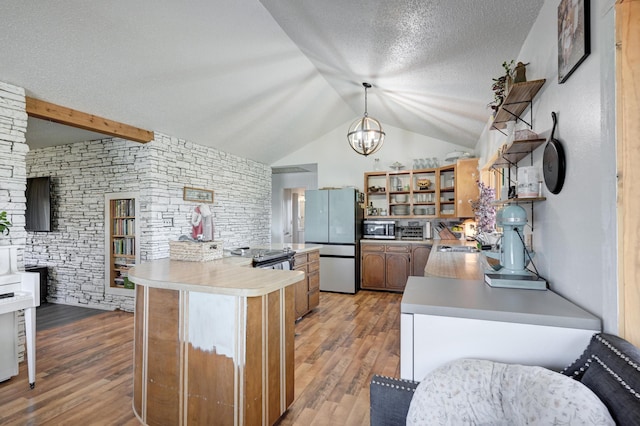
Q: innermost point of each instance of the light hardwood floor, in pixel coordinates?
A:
(84, 369)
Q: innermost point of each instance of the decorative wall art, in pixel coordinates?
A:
(197, 195)
(573, 36)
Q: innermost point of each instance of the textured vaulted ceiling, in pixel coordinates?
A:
(261, 79)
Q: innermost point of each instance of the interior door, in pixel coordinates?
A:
(287, 214)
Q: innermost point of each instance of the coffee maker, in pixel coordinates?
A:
(513, 255)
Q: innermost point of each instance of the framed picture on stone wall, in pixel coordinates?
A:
(573, 36)
(198, 195)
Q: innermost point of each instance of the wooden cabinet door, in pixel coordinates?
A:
(314, 280)
(314, 289)
(299, 259)
(314, 260)
(301, 298)
(419, 258)
(372, 247)
(398, 248)
(398, 267)
(466, 187)
(302, 293)
(373, 270)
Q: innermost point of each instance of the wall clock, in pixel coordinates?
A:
(553, 161)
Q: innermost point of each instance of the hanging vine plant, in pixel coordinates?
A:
(5, 225)
(501, 85)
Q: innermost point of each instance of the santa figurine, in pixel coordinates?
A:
(196, 224)
(202, 223)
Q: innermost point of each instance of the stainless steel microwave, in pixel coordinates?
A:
(379, 229)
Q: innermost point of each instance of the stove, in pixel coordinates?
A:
(267, 258)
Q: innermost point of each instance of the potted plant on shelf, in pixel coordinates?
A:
(501, 86)
(5, 226)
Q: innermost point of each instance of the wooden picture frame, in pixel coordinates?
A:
(198, 195)
(573, 36)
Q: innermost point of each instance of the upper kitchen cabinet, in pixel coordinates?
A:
(447, 180)
(424, 192)
(375, 189)
(400, 193)
(467, 190)
(442, 192)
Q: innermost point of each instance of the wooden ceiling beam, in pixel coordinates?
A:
(71, 117)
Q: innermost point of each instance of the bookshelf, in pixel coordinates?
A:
(122, 241)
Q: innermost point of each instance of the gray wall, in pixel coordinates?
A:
(575, 231)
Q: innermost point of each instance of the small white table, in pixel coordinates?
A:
(25, 287)
(444, 319)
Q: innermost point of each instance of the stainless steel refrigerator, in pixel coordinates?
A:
(333, 218)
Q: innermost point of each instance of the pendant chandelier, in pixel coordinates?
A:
(365, 134)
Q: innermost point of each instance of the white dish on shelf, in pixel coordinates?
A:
(397, 166)
(400, 210)
(452, 157)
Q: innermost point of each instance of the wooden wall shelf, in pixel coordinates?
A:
(516, 102)
(519, 200)
(514, 153)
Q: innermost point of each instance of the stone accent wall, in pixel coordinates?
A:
(13, 183)
(242, 195)
(13, 150)
(82, 173)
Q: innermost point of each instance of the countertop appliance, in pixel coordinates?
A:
(379, 229)
(333, 219)
(513, 254)
(412, 231)
(267, 258)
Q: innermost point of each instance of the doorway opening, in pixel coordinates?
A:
(288, 185)
(293, 204)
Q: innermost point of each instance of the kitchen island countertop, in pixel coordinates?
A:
(229, 275)
(449, 264)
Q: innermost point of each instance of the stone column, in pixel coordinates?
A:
(13, 175)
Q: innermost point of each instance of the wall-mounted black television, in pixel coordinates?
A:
(38, 214)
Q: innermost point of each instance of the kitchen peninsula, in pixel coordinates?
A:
(451, 313)
(214, 342)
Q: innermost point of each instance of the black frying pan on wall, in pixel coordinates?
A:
(553, 161)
